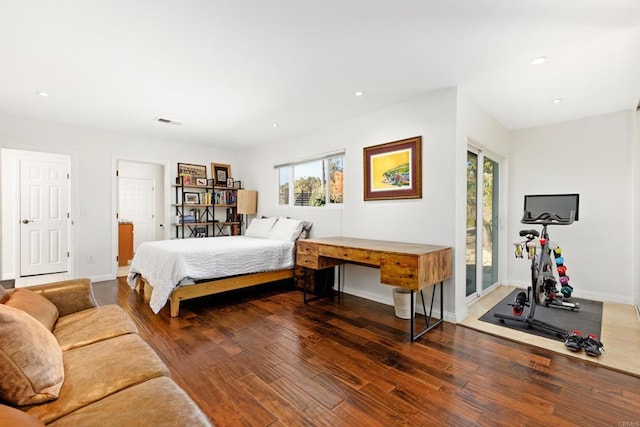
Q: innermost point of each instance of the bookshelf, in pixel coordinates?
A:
(206, 211)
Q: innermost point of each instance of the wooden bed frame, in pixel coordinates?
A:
(216, 286)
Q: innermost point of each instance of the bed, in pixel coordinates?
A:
(180, 269)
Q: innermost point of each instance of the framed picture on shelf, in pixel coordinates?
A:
(200, 231)
(196, 171)
(201, 182)
(230, 182)
(220, 172)
(185, 179)
(191, 198)
(393, 170)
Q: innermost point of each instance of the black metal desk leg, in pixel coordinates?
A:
(428, 318)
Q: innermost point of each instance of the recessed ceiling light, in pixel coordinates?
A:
(557, 100)
(539, 60)
(42, 94)
(359, 93)
(275, 125)
(167, 121)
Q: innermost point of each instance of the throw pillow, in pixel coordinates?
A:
(260, 227)
(35, 305)
(30, 359)
(286, 229)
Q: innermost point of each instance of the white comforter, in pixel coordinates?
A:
(166, 264)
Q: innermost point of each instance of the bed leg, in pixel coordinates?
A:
(174, 305)
(147, 291)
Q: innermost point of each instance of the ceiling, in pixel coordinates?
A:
(231, 69)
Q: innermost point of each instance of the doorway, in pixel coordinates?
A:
(483, 193)
(140, 208)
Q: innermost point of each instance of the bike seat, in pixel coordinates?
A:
(534, 233)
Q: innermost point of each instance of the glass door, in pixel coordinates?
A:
(482, 223)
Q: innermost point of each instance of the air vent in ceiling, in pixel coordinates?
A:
(167, 121)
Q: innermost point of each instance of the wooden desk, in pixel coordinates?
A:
(405, 265)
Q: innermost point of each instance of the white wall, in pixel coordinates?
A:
(427, 220)
(592, 157)
(636, 209)
(93, 181)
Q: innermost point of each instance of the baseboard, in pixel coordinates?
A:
(448, 316)
(102, 278)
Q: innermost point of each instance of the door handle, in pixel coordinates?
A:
(26, 221)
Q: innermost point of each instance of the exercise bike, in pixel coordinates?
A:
(547, 294)
(543, 282)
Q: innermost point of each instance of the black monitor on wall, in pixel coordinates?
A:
(558, 204)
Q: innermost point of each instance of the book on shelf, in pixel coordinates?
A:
(188, 219)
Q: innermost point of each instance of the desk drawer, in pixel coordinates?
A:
(306, 255)
(400, 270)
(358, 256)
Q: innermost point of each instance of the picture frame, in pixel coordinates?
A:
(230, 182)
(201, 182)
(200, 232)
(191, 198)
(196, 171)
(186, 179)
(393, 170)
(220, 172)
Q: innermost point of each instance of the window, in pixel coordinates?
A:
(314, 182)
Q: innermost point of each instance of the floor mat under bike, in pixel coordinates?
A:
(588, 319)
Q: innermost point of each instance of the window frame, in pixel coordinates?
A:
(326, 159)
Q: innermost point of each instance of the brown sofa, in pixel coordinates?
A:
(64, 361)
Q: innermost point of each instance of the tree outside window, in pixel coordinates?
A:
(313, 183)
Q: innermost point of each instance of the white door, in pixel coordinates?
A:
(44, 222)
(136, 204)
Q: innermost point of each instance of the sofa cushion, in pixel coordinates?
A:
(4, 295)
(156, 402)
(31, 364)
(43, 310)
(92, 325)
(69, 296)
(12, 417)
(98, 370)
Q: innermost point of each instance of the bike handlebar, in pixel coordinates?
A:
(546, 218)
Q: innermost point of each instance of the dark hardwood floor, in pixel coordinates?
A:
(261, 357)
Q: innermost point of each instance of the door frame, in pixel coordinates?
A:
(11, 158)
(161, 217)
(482, 152)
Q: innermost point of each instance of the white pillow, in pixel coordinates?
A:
(260, 227)
(286, 229)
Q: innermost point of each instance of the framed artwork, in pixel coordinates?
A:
(186, 179)
(202, 182)
(230, 182)
(220, 172)
(393, 170)
(196, 171)
(191, 198)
